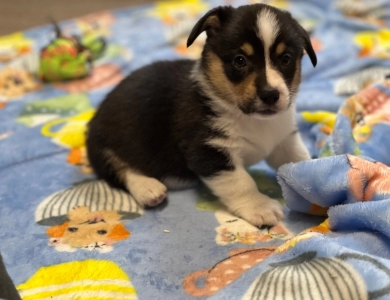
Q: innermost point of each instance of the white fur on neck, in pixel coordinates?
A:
(251, 139)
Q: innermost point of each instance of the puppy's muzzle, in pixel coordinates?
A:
(269, 96)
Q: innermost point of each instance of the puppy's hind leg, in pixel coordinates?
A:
(146, 190)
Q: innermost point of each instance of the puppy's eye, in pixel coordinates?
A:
(286, 59)
(72, 229)
(102, 232)
(239, 61)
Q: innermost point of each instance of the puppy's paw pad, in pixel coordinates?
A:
(261, 213)
(157, 201)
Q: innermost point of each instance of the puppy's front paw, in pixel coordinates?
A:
(261, 211)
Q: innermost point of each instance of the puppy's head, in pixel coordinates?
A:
(252, 57)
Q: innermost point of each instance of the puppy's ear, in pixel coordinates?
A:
(308, 46)
(211, 22)
(306, 39)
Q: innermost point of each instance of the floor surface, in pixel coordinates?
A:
(16, 15)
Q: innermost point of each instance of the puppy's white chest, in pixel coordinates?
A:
(259, 139)
(251, 139)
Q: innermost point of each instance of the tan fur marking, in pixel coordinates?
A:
(248, 49)
(247, 88)
(280, 48)
(233, 93)
(297, 77)
(118, 165)
(217, 76)
(212, 21)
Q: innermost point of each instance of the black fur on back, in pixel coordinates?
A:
(157, 123)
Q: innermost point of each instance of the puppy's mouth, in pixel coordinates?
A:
(267, 112)
(254, 108)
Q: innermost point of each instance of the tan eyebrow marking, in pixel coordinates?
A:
(239, 93)
(280, 48)
(248, 49)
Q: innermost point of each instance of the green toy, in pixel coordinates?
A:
(67, 58)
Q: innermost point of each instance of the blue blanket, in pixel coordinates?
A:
(334, 242)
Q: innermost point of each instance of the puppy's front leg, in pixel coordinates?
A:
(237, 190)
(291, 149)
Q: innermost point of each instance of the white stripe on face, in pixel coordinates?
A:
(268, 29)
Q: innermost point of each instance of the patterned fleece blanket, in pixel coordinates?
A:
(335, 240)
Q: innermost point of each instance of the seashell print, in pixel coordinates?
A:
(97, 195)
(308, 277)
(88, 279)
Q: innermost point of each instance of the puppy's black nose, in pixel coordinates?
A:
(269, 97)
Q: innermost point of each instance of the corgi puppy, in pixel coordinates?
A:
(171, 123)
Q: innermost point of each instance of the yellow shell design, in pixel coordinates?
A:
(283, 4)
(375, 43)
(171, 10)
(13, 45)
(72, 134)
(81, 280)
(324, 117)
